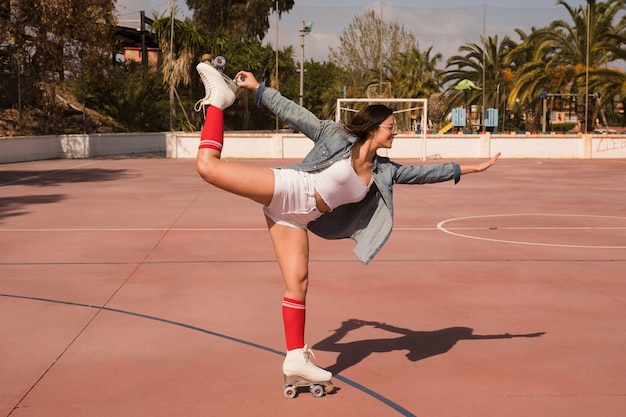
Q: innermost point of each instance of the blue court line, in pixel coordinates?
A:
(354, 384)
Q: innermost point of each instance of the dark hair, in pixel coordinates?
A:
(368, 120)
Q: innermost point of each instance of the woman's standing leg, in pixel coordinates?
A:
(291, 246)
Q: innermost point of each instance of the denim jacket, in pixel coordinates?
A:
(370, 221)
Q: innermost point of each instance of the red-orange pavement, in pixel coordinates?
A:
(128, 287)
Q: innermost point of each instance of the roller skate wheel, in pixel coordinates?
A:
(220, 61)
(329, 388)
(289, 392)
(317, 391)
(240, 79)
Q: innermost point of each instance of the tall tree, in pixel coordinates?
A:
(366, 45)
(242, 19)
(322, 86)
(58, 30)
(55, 39)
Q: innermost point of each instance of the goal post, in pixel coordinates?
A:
(411, 113)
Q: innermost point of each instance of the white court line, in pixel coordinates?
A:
(441, 227)
(539, 228)
(514, 228)
(522, 165)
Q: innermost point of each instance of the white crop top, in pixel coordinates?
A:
(339, 184)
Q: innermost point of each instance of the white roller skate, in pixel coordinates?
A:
(219, 89)
(299, 371)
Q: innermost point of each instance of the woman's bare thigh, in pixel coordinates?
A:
(254, 182)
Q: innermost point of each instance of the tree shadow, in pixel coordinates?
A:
(13, 206)
(420, 344)
(46, 178)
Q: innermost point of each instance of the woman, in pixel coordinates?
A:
(341, 189)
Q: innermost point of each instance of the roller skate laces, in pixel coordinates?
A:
(219, 89)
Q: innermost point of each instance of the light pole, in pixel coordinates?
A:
(277, 87)
(306, 28)
(171, 65)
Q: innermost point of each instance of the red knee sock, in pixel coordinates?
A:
(212, 135)
(294, 313)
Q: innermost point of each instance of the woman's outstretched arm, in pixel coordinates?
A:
(470, 169)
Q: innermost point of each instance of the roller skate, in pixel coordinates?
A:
(219, 89)
(299, 371)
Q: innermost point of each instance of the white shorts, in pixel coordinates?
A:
(293, 203)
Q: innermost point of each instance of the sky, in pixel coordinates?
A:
(443, 24)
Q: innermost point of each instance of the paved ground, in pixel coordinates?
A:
(128, 287)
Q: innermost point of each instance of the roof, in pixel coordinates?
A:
(126, 36)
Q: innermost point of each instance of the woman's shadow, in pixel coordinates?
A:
(421, 345)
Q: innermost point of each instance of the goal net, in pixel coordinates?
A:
(411, 113)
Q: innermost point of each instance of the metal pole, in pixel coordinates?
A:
(144, 49)
(545, 110)
(587, 73)
(171, 65)
(81, 54)
(498, 107)
(277, 84)
(302, 33)
(424, 129)
(380, 57)
(484, 62)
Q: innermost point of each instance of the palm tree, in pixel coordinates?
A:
(189, 44)
(486, 60)
(529, 79)
(414, 74)
(609, 82)
(179, 57)
(562, 53)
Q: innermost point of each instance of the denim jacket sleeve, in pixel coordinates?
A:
(331, 141)
(293, 114)
(423, 174)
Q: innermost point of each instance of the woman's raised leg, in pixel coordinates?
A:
(256, 183)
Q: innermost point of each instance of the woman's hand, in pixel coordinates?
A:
(247, 80)
(469, 169)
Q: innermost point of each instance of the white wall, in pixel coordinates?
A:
(239, 145)
(32, 148)
(294, 146)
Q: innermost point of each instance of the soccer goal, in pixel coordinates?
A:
(411, 113)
